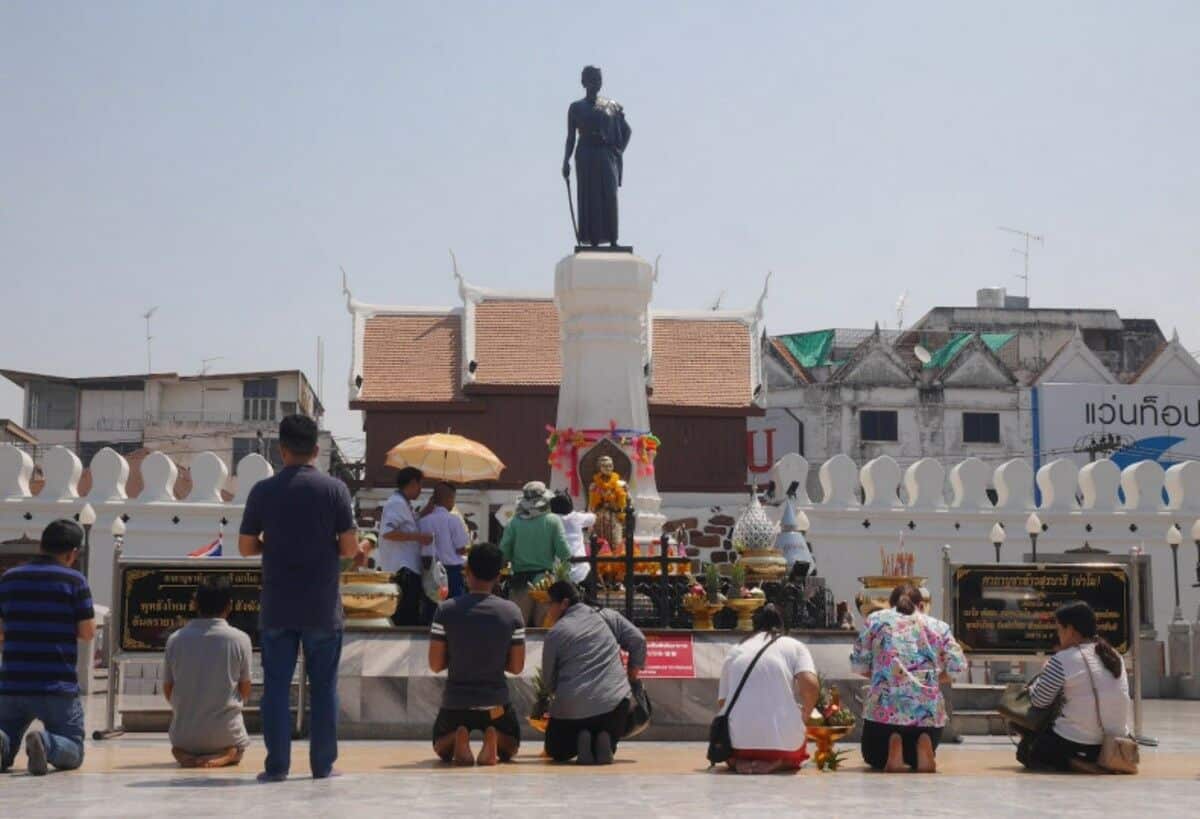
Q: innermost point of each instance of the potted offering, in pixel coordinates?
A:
(742, 600)
(703, 601)
(539, 713)
(828, 723)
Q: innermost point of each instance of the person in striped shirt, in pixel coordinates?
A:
(45, 608)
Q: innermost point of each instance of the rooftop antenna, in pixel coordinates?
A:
(149, 337)
(900, 302)
(204, 363)
(1029, 237)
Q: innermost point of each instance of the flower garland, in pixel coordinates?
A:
(564, 446)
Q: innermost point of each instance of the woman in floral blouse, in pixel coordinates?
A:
(905, 653)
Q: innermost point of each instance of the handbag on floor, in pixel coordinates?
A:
(720, 744)
(640, 710)
(1118, 754)
(1017, 708)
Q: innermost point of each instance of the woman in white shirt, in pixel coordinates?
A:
(1090, 677)
(766, 725)
(573, 525)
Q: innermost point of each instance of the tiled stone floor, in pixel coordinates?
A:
(132, 776)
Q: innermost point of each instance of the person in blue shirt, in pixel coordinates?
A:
(302, 523)
(45, 608)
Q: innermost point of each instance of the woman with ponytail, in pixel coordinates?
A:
(905, 653)
(1090, 676)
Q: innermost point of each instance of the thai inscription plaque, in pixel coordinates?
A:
(1002, 609)
(157, 600)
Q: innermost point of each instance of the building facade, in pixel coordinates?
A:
(489, 369)
(230, 414)
(961, 382)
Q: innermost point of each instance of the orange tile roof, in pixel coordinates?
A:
(411, 358)
(517, 343)
(701, 363)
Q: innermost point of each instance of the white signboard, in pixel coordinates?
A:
(768, 438)
(1127, 423)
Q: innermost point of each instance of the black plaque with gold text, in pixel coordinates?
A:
(1009, 610)
(157, 600)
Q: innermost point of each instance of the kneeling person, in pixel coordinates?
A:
(581, 665)
(476, 638)
(45, 608)
(206, 678)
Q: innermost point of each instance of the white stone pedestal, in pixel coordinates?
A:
(603, 307)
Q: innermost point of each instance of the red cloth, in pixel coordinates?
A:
(790, 759)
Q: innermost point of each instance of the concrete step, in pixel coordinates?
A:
(975, 697)
(976, 723)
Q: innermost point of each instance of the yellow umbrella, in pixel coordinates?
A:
(447, 457)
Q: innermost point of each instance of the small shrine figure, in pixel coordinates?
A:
(607, 497)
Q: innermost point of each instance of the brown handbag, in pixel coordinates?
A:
(1118, 754)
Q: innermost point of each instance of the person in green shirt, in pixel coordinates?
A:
(533, 540)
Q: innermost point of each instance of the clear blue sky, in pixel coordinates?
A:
(221, 160)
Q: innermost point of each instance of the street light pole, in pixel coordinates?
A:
(1174, 538)
(87, 519)
(1033, 527)
(997, 538)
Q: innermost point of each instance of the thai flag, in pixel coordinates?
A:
(211, 550)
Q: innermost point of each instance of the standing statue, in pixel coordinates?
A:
(607, 497)
(603, 136)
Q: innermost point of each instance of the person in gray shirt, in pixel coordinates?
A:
(206, 678)
(582, 669)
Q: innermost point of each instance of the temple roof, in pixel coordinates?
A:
(496, 341)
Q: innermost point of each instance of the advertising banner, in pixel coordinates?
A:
(1127, 423)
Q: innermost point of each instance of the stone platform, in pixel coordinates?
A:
(386, 690)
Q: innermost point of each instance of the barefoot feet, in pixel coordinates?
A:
(462, 747)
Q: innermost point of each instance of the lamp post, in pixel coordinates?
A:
(1196, 540)
(1174, 538)
(87, 519)
(997, 538)
(1033, 528)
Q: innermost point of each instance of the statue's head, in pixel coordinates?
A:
(591, 78)
(605, 464)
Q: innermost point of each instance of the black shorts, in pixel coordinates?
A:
(450, 720)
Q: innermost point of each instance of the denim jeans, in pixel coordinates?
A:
(322, 652)
(63, 737)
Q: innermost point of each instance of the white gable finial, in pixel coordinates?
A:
(762, 298)
(346, 290)
(462, 284)
(1175, 334)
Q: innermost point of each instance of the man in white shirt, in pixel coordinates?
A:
(449, 535)
(400, 542)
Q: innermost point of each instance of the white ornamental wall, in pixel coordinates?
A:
(860, 510)
(156, 523)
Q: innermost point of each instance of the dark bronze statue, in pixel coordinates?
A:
(603, 136)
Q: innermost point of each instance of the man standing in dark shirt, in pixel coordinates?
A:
(476, 638)
(45, 607)
(302, 523)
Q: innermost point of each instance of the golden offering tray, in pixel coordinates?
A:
(745, 607)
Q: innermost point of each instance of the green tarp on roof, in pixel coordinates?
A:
(810, 349)
(944, 355)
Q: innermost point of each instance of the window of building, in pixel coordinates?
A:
(287, 408)
(51, 405)
(258, 399)
(267, 447)
(981, 427)
(878, 425)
